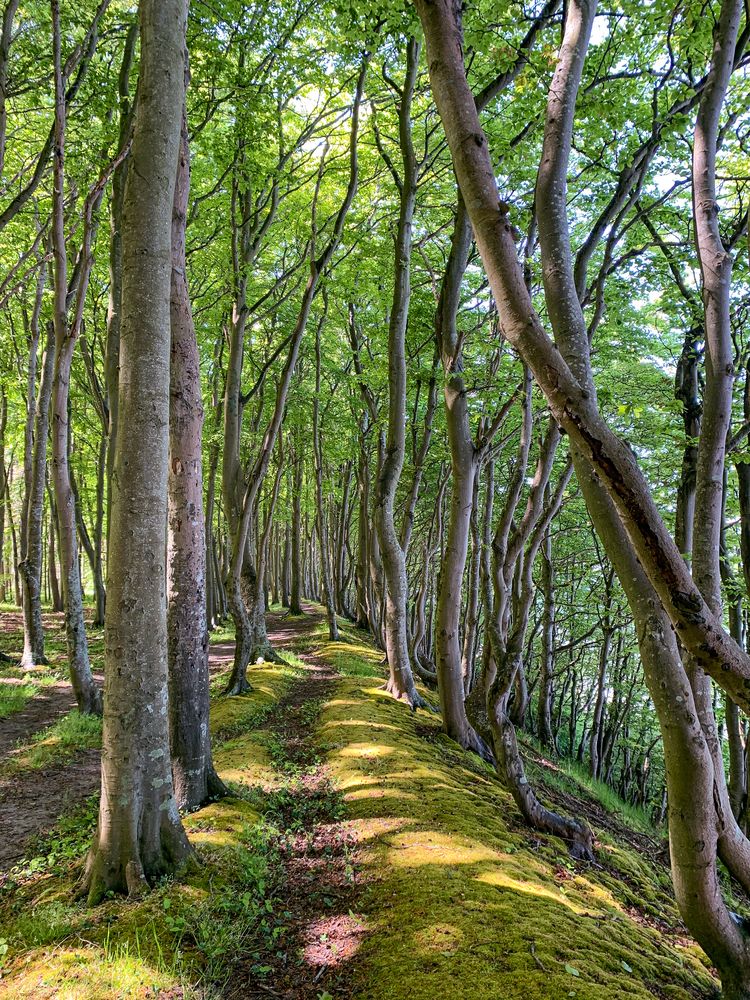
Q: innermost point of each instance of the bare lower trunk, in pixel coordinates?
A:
(322, 527)
(400, 681)
(31, 565)
(87, 694)
(464, 470)
(114, 309)
(545, 734)
(295, 603)
(54, 583)
(576, 834)
(140, 836)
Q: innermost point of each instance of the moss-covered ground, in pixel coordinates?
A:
(458, 898)
(462, 901)
(180, 940)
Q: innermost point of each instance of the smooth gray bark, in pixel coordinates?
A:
(140, 836)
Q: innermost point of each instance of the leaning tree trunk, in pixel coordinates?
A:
(140, 836)
(464, 468)
(647, 562)
(195, 780)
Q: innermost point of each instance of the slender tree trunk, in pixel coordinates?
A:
(3, 480)
(140, 836)
(87, 694)
(286, 567)
(114, 310)
(17, 579)
(546, 673)
(464, 468)
(195, 780)
(325, 565)
(212, 578)
(31, 563)
(362, 567)
(295, 603)
(401, 680)
(54, 583)
(471, 627)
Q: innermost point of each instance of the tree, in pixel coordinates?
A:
(195, 780)
(140, 836)
(627, 503)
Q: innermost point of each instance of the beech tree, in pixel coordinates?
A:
(140, 836)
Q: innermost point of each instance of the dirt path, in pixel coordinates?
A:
(318, 885)
(31, 803)
(50, 703)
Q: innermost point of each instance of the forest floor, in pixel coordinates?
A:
(361, 856)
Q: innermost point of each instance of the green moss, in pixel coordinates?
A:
(183, 935)
(463, 902)
(460, 900)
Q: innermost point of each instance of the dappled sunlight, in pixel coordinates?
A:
(428, 847)
(502, 880)
(366, 750)
(375, 726)
(376, 791)
(334, 940)
(90, 973)
(465, 902)
(375, 828)
(219, 824)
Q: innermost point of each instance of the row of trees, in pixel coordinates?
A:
(317, 350)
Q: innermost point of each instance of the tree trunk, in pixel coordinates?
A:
(401, 680)
(31, 563)
(558, 373)
(325, 564)
(464, 467)
(114, 309)
(140, 837)
(295, 603)
(195, 780)
(4, 471)
(547, 668)
(54, 583)
(87, 694)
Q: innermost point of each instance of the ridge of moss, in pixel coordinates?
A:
(465, 902)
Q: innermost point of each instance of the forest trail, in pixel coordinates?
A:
(361, 856)
(34, 797)
(47, 705)
(316, 849)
